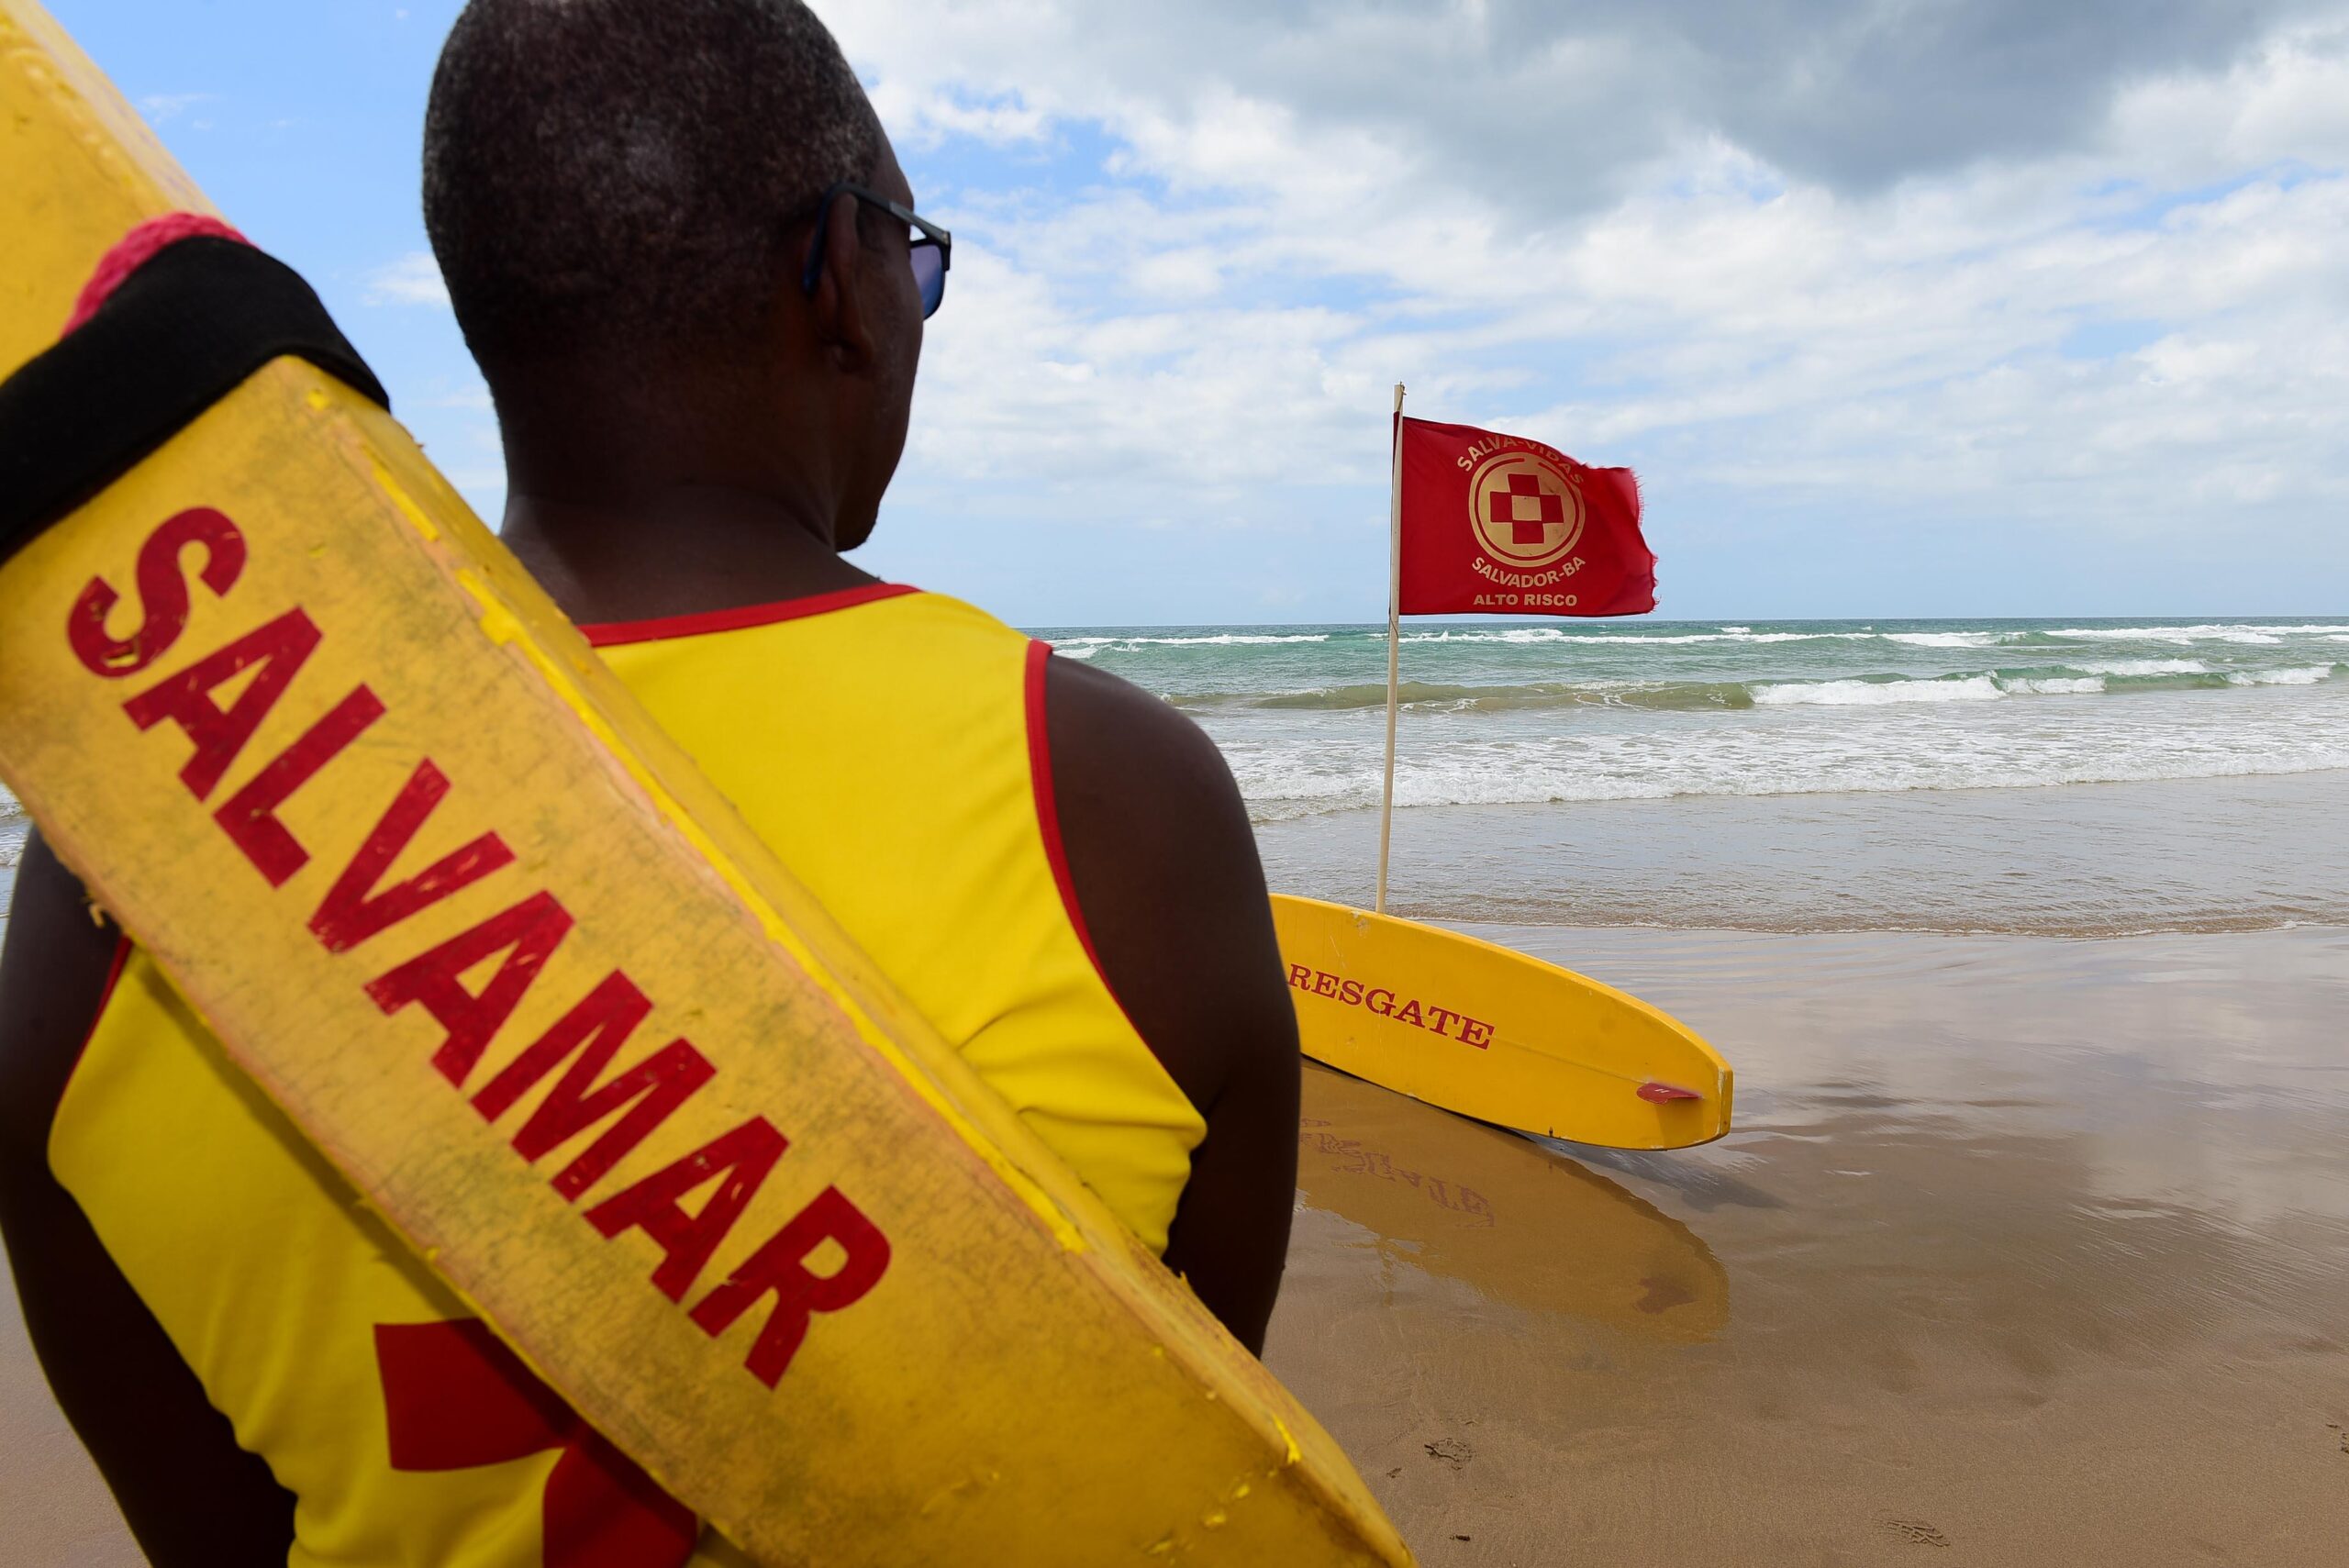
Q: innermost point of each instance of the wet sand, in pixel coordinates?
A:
(2024, 1250)
(2224, 854)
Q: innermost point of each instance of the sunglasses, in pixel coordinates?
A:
(931, 246)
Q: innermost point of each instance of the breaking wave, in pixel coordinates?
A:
(2085, 678)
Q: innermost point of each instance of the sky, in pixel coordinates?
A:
(1899, 307)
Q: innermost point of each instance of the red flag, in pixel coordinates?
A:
(1498, 525)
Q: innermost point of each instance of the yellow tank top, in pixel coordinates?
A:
(890, 746)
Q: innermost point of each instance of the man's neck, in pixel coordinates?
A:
(683, 552)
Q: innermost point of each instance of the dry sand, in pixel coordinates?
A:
(2025, 1250)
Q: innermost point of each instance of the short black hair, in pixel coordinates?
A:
(621, 175)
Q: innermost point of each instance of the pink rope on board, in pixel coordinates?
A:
(136, 249)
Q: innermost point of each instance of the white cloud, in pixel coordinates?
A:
(924, 117)
(1300, 206)
(414, 278)
(2288, 101)
(1570, 103)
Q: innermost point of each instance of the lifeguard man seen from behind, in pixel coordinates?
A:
(685, 255)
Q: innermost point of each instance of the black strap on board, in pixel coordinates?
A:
(177, 335)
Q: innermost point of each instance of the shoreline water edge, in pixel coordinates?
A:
(1562, 713)
(1520, 713)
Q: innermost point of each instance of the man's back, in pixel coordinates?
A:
(891, 747)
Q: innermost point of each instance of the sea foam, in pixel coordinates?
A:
(1869, 694)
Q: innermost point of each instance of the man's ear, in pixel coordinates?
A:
(841, 312)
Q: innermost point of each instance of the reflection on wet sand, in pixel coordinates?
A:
(2038, 1252)
(1494, 1210)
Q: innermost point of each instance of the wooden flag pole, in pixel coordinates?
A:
(1394, 640)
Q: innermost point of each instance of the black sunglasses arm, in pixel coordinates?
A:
(930, 232)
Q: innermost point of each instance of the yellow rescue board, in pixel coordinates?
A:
(384, 819)
(1475, 1029)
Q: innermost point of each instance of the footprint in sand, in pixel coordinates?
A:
(1917, 1532)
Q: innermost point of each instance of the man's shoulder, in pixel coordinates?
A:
(1165, 867)
(1145, 789)
(1109, 729)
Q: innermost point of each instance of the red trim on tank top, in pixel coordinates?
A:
(619, 633)
(1048, 819)
(122, 951)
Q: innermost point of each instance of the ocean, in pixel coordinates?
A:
(1790, 776)
(1784, 775)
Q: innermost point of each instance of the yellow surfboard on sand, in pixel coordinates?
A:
(1476, 1028)
(919, 1340)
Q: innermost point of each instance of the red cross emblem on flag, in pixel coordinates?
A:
(1529, 524)
(455, 1398)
